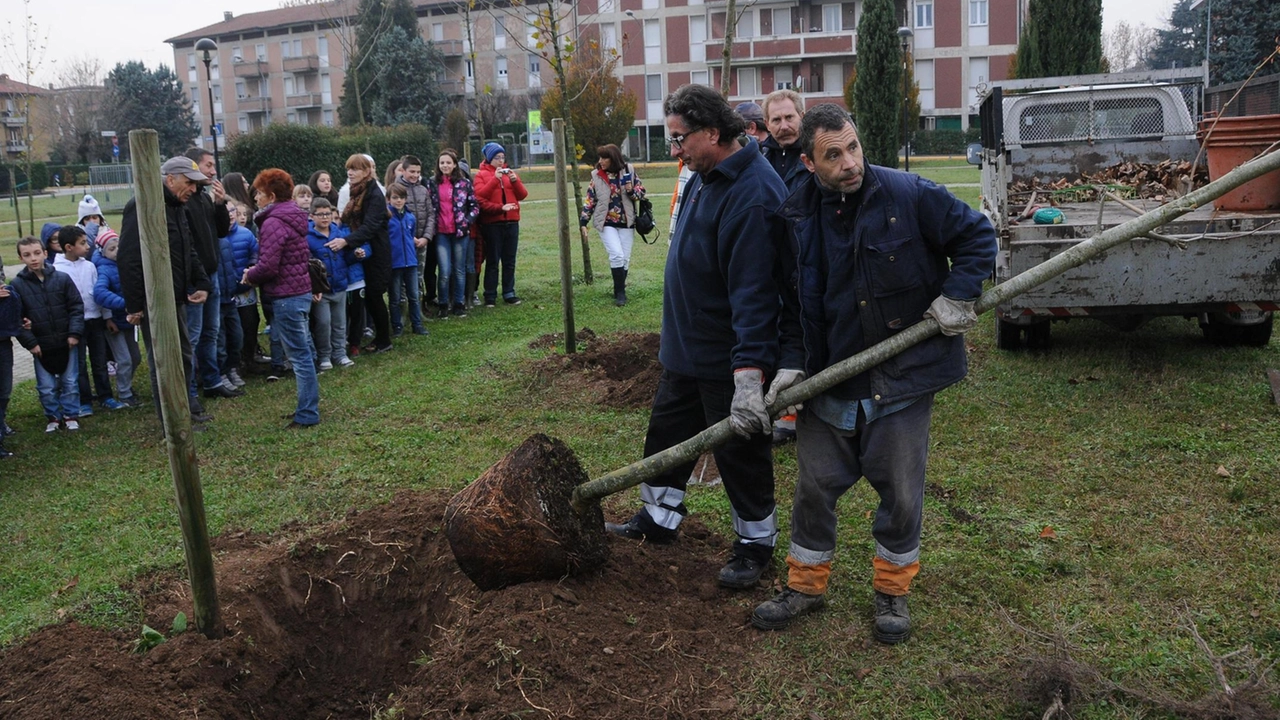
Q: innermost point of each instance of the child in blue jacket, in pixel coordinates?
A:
(121, 338)
(330, 314)
(404, 261)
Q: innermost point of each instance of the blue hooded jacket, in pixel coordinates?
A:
(339, 264)
(400, 224)
(107, 292)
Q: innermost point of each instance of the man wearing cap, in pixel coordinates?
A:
(191, 284)
(782, 112)
(207, 213)
(756, 128)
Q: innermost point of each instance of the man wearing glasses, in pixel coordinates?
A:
(720, 315)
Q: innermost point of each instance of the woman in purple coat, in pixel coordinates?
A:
(283, 275)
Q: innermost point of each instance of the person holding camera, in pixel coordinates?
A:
(613, 201)
(499, 191)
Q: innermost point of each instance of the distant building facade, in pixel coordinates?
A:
(22, 110)
(287, 64)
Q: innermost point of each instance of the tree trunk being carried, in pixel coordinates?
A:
(494, 554)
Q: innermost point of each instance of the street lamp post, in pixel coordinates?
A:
(904, 32)
(645, 82)
(208, 47)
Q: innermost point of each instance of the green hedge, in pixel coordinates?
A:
(39, 176)
(942, 142)
(302, 149)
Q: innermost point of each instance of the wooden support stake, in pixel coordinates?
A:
(566, 248)
(175, 409)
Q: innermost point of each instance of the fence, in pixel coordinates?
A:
(111, 185)
(1260, 97)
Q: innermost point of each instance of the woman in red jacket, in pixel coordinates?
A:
(499, 191)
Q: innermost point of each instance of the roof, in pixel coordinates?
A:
(268, 19)
(9, 86)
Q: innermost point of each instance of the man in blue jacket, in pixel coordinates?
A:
(872, 252)
(719, 329)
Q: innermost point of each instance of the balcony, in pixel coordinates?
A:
(451, 87)
(450, 48)
(303, 100)
(254, 104)
(778, 49)
(12, 119)
(15, 146)
(251, 68)
(302, 64)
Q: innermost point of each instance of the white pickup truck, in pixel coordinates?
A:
(1227, 277)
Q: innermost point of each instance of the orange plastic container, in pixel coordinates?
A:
(1233, 142)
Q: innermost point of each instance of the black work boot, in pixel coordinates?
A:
(777, 613)
(642, 527)
(619, 286)
(741, 573)
(893, 621)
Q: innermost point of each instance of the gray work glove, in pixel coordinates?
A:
(747, 414)
(955, 317)
(783, 380)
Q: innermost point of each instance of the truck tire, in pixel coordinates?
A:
(1257, 335)
(1008, 335)
(1038, 336)
(1220, 332)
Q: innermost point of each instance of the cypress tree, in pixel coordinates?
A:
(877, 95)
(1061, 38)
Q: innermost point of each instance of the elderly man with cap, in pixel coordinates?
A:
(499, 192)
(754, 115)
(182, 179)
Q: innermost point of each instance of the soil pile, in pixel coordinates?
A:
(371, 614)
(620, 371)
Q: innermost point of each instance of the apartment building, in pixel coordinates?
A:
(22, 132)
(286, 64)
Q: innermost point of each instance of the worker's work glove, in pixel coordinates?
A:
(955, 317)
(747, 414)
(783, 380)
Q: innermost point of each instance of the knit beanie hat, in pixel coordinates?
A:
(88, 206)
(104, 235)
(490, 150)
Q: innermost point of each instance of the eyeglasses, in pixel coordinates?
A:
(677, 141)
(322, 214)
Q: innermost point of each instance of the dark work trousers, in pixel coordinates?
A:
(6, 379)
(683, 407)
(429, 265)
(356, 321)
(501, 239)
(249, 331)
(375, 303)
(94, 344)
(188, 362)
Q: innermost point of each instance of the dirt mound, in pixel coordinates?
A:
(372, 613)
(621, 371)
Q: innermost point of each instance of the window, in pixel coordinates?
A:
(290, 86)
(766, 22)
(653, 88)
(499, 33)
(241, 91)
(697, 30)
(649, 4)
(437, 32)
(746, 24)
(977, 12)
(608, 6)
(191, 67)
(214, 71)
(748, 83)
(328, 118)
(236, 54)
(322, 46)
(700, 77)
(609, 36)
(260, 51)
(535, 71)
(284, 49)
(242, 123)
(291, 118)
(831, 18)
(469, 80)
(652, 42)
(500, 67)
(326, 90)
(783, 78)
(530, 27)
(924, 14)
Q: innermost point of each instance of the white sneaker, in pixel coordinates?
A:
(234, 377)
(346, 362)
(326, 365)
(52, 427)
(71, 424)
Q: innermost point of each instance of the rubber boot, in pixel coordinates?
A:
(619, 286)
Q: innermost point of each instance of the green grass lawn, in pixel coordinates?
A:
(1151, 455)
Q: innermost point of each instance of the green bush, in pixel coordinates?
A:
(302, 149)
(39, 176)
(942, 142)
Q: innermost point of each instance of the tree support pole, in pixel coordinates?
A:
(647, 468)
(566, 248)
(175, 409)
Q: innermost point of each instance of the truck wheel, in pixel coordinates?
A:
(1038, 337)
(1257, 335)
(1008, 335)
(1221, 332)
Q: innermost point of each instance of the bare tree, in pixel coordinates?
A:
(26, 47)
(77, 116)
(344, 18)
(732, 15)
(1128, 47)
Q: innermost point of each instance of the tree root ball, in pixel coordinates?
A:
(515, 523)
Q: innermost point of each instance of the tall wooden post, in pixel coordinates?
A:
(175, 409)
(566, 248)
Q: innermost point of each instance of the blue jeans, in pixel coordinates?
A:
(59, 394)
(202, 326)
(404, 283)
(230, 339)
(451, 253)
(500, 243)
(331, 327)
(291, 325)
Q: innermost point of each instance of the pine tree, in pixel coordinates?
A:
(1061, 38)
(374, 18)
(408, 91)
(1182, 44)
(1244, 34)
(877, 96)
(141, 98)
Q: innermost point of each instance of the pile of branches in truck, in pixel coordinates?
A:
(1162, 181)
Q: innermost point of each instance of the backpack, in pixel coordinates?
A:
(644, 220)
(319, 276)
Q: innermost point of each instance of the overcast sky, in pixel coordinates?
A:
(121, 30)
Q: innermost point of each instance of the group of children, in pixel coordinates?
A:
(67, 308)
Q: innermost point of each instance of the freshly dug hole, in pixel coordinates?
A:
(515, 522)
